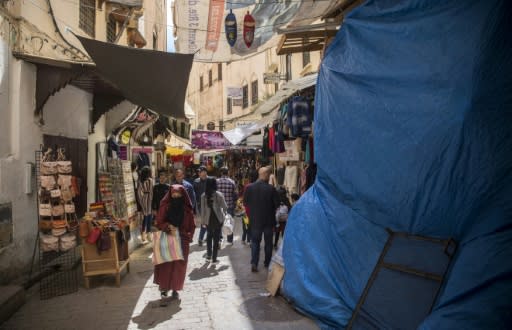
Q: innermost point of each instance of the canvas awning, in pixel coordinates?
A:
(151, 79)
(237, 135)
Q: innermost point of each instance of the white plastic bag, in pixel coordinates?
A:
(229, 224)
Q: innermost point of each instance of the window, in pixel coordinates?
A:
(111, 30)
(201, 84)
(306, 58)
(87, 20)
(210, 78)
(229, 106)
(254, 92)
(245, 96)
(219, 68)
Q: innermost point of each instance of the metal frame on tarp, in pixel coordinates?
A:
(405, 282)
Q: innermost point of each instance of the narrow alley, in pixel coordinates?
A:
(226, 295)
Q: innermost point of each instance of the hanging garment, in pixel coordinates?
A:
(271, 138)
(265, 151)
(291, 179)
(299, 117)
(280, 175)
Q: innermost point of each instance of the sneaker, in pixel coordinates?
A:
(175, 295)
(208, 257)
(200, 243)
(254, 269)
(216, 261)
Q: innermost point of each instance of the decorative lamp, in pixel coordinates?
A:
(249, 28)
(231, 28)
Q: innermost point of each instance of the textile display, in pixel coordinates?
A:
(166, 247)
(418, 96)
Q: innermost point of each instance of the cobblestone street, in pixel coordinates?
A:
(223, 296)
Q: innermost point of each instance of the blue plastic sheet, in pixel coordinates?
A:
(413, 132)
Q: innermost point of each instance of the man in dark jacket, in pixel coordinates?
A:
(262, 200)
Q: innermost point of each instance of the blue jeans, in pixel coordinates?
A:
(256, 235)
(146, 223)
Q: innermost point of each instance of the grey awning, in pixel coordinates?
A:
(237, 135)
(148, 78)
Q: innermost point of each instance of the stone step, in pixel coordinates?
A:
(12, 297)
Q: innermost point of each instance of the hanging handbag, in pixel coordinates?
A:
(59, 224)
(45, 225)
(55, 193)
(47, 181)
(59, 231)
(84, 229)
(69, 207)
(44, 194)
(45, 209)
(104, 243)
(94, 235)
(166, 247)
(67, 195)
(48, 166)
(64, 181)
(49, 243)
(64, 167)
(67, 242)
(57, 210)
(72, 221)
(75, 187)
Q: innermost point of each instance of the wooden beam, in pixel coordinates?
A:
(300, 49)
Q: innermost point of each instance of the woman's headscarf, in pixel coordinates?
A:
(177, 205)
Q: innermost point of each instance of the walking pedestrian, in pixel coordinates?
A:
(159, 191)
(199, 189)
(281, 215)
(179, 178)
(145, 193)
(228, 188)
(175, 213)
(213, 210)
(262, 200)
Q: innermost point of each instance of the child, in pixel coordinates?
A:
(281, 215)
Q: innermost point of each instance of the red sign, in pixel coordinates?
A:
(215, 16)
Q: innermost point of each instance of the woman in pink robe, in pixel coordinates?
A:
(175, 212)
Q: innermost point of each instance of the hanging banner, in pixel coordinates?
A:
(199, 23)
(209, 140)
(215, 16)
(234, 92)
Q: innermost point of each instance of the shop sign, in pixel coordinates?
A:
(209, 140)
(291, 152)
(271, 78)
(234, 92)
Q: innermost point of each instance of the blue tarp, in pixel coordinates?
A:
(413, 132)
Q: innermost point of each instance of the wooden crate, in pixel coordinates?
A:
(274, 278)
(106, 262)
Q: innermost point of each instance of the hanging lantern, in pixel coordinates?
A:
(230, 27)
(249, 28)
